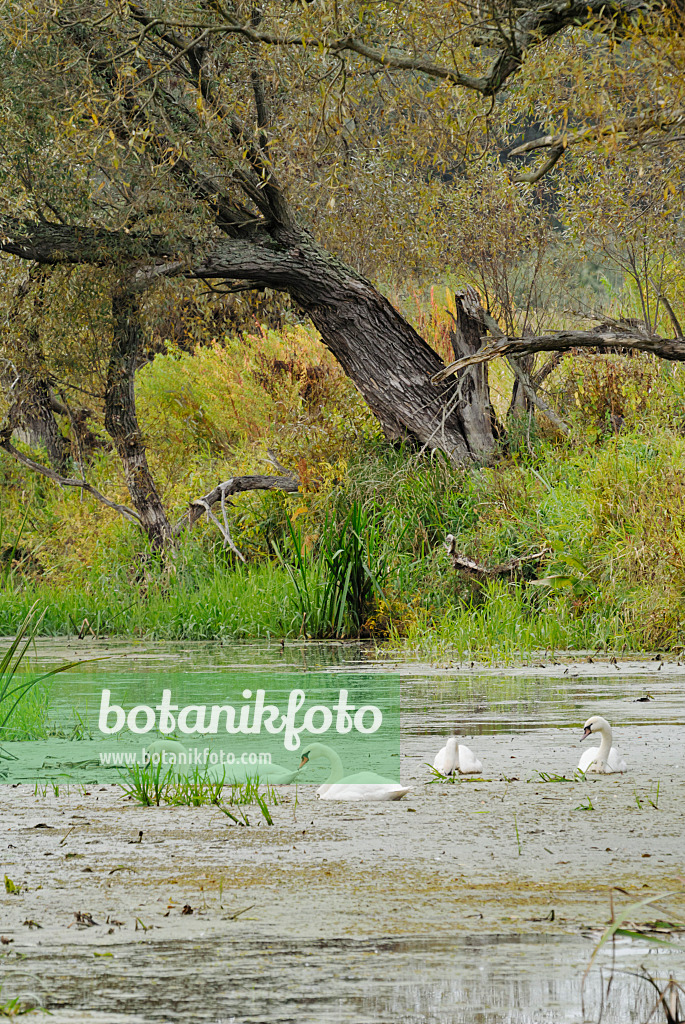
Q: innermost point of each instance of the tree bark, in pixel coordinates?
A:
(121, 421)
(28, 381)
(476, 409)
(34, 417)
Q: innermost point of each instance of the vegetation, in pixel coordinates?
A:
(359, 551)
(153, 785)
(364, 169)
(20, 716)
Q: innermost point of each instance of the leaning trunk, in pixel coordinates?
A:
(382, 354)
(392, 367)
(121, 421)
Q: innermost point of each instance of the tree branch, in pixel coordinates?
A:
(259, 183)
(483, 572)
(561, 341)
(631, 128)
(7, 446)
(235, 485)
(535, 23)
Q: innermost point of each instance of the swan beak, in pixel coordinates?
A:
(586, 732)
(304, 761)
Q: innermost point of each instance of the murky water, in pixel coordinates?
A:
(464, 903)
(484, 979)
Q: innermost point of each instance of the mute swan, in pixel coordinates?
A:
(361, 786)
(455, 757)
(180, 762)
(604, 759)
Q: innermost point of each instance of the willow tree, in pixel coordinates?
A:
(228, 143)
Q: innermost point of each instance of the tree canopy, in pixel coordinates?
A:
(308, 146)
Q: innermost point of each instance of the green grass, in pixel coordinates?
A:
(22, 711)
(155, 785)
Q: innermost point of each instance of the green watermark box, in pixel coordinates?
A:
(100, 725)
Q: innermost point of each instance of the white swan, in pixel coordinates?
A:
(604, 759)
(176, 758)
(361, 786)
(455, 757)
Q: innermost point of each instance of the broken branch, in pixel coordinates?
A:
(561, 341)
(483, 572)
(235, 485)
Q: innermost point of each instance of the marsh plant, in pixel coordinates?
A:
(336, 588)
(16, 686)
(669, 994)
(155, 784)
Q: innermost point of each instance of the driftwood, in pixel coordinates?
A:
(479, 572)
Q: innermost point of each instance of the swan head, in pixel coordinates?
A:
(595, 724)
(313, 751)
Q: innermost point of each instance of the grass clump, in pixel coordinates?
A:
(21, 715)
(155, 784)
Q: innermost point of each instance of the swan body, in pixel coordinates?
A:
(604, 759)
(175, 757)
(360, 786)
(455, 757)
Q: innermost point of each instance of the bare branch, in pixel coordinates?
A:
(235, 485)
(561, 341)
(480, 572)
(64, 481)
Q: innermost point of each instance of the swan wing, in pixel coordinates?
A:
(440, 762)
(587, 758)
(616, 762)
(468, 762)
(362, 791)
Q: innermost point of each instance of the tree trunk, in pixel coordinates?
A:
(393, 367)
(31, 413)
(476, 408)
(35, 419)
(520, 404)
(121, 421)
(381, 353)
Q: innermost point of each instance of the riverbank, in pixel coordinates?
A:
(604, 504)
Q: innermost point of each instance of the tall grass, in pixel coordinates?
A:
(335, 589)
(15, 685)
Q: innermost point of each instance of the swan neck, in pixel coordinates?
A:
(605, 745)
(337, 770)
